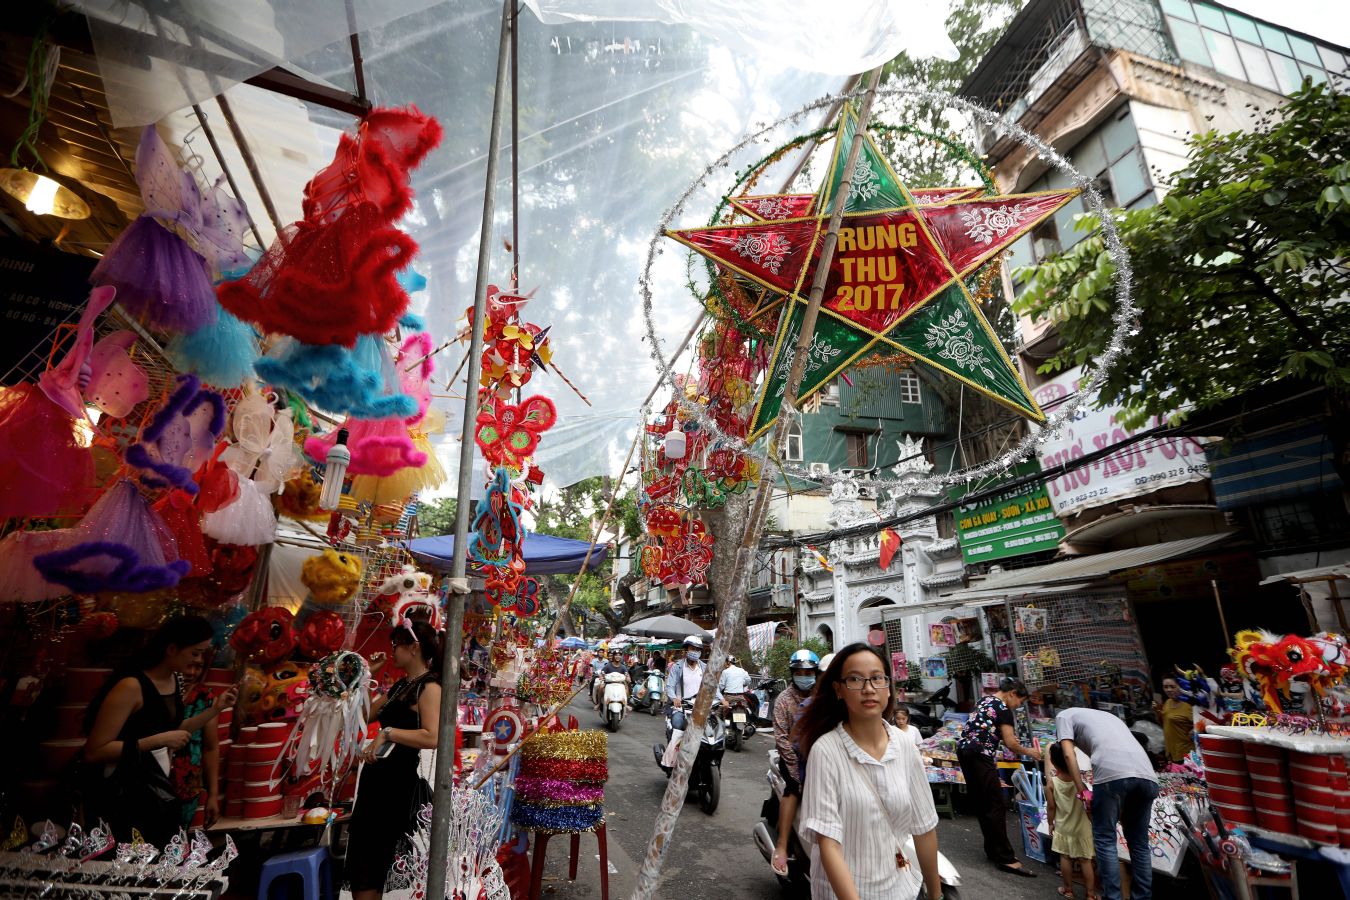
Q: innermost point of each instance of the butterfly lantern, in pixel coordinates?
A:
(264, 444)
(513, 592)
(508, 433)
(686, 557)
(511, 348)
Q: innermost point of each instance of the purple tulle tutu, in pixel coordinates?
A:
(120, 545)
(159, 278)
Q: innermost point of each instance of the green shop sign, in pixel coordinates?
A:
(1014, 523)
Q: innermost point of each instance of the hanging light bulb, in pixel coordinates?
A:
(675, 443)
(335, 469)
(41, 195)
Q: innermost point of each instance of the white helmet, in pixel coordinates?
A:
(693, 642)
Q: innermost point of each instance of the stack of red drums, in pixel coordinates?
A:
(1230, 787)
(1284, 791)
(253, 781)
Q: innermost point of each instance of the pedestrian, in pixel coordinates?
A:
(977, 749)
(196, 765)
(804, 666)
(1123, 790)
(391, 791)
(1070, 830)
(902, 722)
(1178, 721)
(865, 789)
(136, 723)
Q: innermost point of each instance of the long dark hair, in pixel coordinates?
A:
(427, 639)
(825, 709)
(180, 631)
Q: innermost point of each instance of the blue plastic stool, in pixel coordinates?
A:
(313, 866)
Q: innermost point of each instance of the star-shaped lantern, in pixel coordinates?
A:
(897, 279)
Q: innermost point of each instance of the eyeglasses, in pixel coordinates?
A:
(856, 682)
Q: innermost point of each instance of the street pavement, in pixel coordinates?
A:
(714, 855)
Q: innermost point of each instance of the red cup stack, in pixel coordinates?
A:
(1230, 786)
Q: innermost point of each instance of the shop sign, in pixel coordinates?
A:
(1138, 468)
(1013, 523)
(43, 288)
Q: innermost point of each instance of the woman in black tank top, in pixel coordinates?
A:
(134, 726)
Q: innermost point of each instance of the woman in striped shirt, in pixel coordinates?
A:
(860, 770)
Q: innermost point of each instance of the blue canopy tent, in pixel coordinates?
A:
(544, 554)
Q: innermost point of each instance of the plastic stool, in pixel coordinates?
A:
(313, 866)
(541, 846)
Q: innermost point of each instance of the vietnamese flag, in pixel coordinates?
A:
(890, 542)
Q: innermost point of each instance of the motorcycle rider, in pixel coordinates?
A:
(684, 680)
(804, 666)
(735, 680)
(614, 664)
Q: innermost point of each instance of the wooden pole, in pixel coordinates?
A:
(516, 749)
(442, 792)
(678, 784)
(1223, 621)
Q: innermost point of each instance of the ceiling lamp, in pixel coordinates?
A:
(41, 195)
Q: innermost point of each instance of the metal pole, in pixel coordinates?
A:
(733, 609)
(242, 143)
(445, 743)
(515, 152)
(229, 176)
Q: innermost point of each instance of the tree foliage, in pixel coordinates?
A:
(1241, 274)
(436, 517)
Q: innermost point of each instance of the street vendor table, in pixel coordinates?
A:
(33, 875)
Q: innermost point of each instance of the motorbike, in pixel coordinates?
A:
(649, 691)
(766, 694)
(926, 715)
(797, 882)
(705, 778)
(615, 702)
(736, 714)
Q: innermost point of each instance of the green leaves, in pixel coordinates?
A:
(1239, 272)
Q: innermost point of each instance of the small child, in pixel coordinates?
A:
(902, 722)
(1071, 836)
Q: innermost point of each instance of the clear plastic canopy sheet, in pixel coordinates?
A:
(617, 118)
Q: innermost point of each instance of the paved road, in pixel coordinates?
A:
(713, 856)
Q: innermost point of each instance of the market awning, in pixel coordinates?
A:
(1081, 571)
(544, 554)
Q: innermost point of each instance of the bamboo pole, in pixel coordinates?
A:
(678, 784)
(442, 792)
(516, 749)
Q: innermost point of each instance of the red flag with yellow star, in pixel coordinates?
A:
(890, 544)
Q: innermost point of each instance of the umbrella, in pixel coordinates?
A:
(671, 628)
(572, 643)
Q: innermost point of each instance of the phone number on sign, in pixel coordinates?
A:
(1172, 473)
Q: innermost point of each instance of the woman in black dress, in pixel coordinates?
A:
(391, 790)
(136, 723)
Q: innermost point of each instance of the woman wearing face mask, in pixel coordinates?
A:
(865, 788)
(135, 724)
(804, 666)
(989, 725)
(391, 791)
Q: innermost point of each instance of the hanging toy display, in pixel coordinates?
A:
(409, 594)
(332, 725)
(63, 382)
(162, 265)
(121, 544)
(322, 633)
(264, 443)
(265, 637)
(332, 577)
(180, 437)
(1271, 661)
(333, 275)
(560, 788)
(116, 384)
(46, 468)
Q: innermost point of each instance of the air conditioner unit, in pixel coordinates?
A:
(867, 491)
(1045, 247)
(819, 468)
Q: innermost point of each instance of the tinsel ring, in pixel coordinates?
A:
(563, 820)
(558, 791)
(572, 745)
(578, 770)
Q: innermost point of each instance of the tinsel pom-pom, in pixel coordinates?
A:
(560, 820)
(569, 745)
(580, 770)
(557, 791)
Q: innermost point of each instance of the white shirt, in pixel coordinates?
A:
(691, 679)
(735, 680)
(838, 803)
(912, 733)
